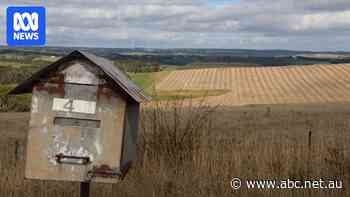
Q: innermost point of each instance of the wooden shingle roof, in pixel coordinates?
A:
(117, 76)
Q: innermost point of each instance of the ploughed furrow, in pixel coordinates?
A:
(233, 96)
(304, 89)
(291, 88)
(334, 82)
(261, 87)
(266, 85)
(194, 77)
(286, 91)
(245, 94)
(249, 94)
(239, 85)
(342, 73)
(188, 78)
(280, 87)
(344, 77)
(323, 84)
(269, 81)
(255, 86)
(309, 82)
(195, 74)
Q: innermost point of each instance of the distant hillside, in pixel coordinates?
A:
(188, 57)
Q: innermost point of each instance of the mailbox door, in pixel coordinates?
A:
(76, 128)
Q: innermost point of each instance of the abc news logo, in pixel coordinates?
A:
(25, 26)
(32, 26)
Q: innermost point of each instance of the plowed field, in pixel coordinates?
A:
(266, 85)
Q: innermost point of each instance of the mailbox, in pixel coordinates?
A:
(84, 120)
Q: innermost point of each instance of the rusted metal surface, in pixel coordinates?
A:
(106, 172)
(103, 171)
(51, 88)
(103, 90)
(64, 133)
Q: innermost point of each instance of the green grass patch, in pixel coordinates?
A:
(4, 89)
(147, 81)
(184, 94)
(13, 64)
(144, 80)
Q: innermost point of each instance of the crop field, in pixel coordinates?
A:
(266, 85)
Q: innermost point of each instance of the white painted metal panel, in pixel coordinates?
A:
(78, 73)
(59, 104)
(74, 105)
(80, 106)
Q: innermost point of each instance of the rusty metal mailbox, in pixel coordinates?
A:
(84, 120)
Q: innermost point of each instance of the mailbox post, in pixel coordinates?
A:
(84, 121)
(84, 189)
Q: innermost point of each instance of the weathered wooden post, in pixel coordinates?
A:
(84, 189)
(83, 123)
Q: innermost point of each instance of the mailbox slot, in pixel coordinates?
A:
(76, 122)
(67, 159)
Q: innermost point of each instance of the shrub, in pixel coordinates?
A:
(20, 103)
(12, 75)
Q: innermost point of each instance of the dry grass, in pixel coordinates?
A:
(195, 151)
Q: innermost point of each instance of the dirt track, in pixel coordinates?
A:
(266, 85)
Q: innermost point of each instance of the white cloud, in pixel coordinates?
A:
(194, 23)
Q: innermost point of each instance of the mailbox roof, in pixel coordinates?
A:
(116, 75)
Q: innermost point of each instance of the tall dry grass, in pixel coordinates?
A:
(195, 151)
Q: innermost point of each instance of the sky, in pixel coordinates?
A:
(318, 25)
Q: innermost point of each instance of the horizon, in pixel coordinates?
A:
(144, 48)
